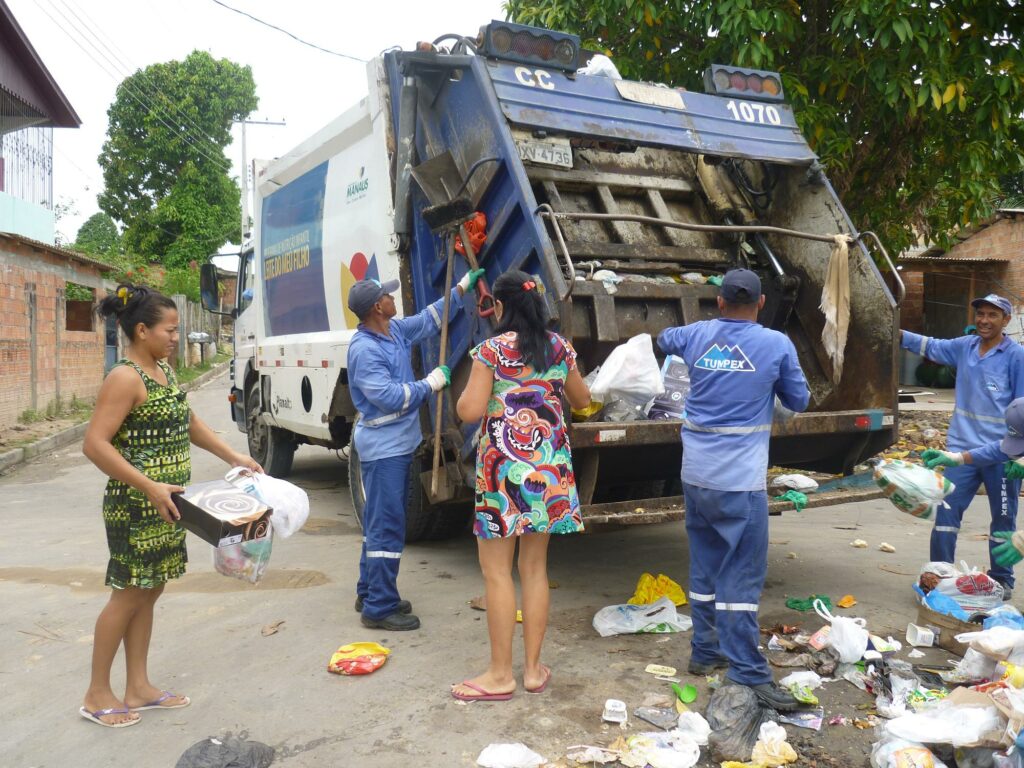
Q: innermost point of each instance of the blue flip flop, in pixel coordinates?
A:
(159, 703)
(95, 716)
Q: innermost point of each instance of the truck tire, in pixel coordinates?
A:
(418, 515)
(273, 447)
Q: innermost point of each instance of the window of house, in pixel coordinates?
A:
(78, 304)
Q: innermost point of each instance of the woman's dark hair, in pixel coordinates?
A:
(134, 304)
(524, 312)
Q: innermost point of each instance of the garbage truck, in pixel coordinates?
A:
(578, 175)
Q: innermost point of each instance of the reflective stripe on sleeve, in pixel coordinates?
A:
(979, 416)
(433, 313)
(924, 346)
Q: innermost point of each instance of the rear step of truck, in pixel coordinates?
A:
(663, 510)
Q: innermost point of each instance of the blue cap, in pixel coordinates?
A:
(364, 294)
(996, 301)
(1013, 443)
(741, 286)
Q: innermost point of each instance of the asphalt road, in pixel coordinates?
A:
(275, 689)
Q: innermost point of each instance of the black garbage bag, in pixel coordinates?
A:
(735, 715)
(227, 752)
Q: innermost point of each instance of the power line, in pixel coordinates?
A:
(126, 66)
(285, 31)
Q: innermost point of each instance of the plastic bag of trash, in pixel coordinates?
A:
(946, 723)
(289, 502)
(657, 618)
(671, 404)
(246, 560)
(649, 589)
(849, 636)
(226, 752)
(795, 482)
(973, 590)
(911, 488)
(630, 373)
(600, 66)
(999, 643)
(693, 725)
(900, 753)
(514, 755)
(772, 749)
(735, 716)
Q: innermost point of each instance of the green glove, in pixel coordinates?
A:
(1006, 554)
(933, 458)
(1014, 470)
(470, 279)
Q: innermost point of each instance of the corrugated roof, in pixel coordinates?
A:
(56, 250)
(938, 258)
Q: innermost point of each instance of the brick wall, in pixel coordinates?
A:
(912, 308)
(67, 363)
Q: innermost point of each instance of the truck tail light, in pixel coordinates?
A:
(754, 84)
(531, 45)
(862, 422)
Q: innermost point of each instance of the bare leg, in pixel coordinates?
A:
(533, 577)
(138, 690)
(496, 563)
(111, 626)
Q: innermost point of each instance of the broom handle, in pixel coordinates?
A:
(441, 360)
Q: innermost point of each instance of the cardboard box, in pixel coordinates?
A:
(221, 514)
(946, 629)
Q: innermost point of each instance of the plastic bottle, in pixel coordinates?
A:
(1011, 674)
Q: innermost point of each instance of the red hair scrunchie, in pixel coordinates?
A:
(529, 285)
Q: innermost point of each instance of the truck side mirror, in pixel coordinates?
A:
(209, 289)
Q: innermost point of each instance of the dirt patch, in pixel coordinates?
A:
(20, 435)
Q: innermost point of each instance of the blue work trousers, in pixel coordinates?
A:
(1002, 502)
(386, 488)
(728, 532)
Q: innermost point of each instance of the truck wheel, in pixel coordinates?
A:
(418, 517)
(272, 447)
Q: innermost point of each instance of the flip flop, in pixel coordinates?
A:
(159, 703)
(95, 716)
(540, 688)
(483, 695)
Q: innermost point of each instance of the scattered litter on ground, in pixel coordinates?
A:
(809, 718)
(272, 628)
(589, 755)
(859, 544)
(798, 604)
(358, 659)
(791, 556)
(915, 654)
(685, 693)
(846, 601)
(658, 617)
(694, 725)
(649, 589)
(735, 715)
(886, 547)
(614, 711)
(839, 720)
(227, 752)
(478, 603)
(514, 755)
(660, 670)
(660, 717)
(772, 749)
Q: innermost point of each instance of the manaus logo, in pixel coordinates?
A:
(357, 189)
(359, 268)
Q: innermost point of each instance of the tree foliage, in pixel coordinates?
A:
(165, 174)
(913, 107)
(98, 235)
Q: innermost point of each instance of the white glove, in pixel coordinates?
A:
(439, 378)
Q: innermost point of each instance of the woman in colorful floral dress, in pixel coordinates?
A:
(139, 436)
(525, 488)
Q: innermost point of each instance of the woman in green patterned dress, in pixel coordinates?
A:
(139, 437)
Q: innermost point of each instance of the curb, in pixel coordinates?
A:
(65, 437)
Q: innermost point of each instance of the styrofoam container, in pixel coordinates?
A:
(920, 636)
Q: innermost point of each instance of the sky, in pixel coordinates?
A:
(89, 46)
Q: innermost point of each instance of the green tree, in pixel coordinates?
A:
(914, 108)
(164, 170)
(98, 235)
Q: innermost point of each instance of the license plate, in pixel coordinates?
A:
(545, 152)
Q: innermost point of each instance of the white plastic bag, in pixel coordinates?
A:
(947, 724)
(630, 373)
(911, 488)
(849, 637)
(246, 560)
(795, 482)
(973, 590)
(772, 749)
(999, 643)
(515, 755)
(289, 502)
(657, 618)
(694, 726)
(600, 66)
(805, 678)
(899, 753)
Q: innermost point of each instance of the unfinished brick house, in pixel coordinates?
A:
(52, 345)
(987, 258)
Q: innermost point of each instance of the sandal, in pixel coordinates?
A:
(100, 713)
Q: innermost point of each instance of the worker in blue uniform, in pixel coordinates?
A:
(737, 369)
(388, 397)
(989, 375)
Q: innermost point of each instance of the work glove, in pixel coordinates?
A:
(1014, 469)
(1011, 551)
(933, 459)
(439, 378)
(470, 279)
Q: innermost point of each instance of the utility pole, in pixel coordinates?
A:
(245, 172)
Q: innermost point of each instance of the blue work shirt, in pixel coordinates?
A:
(987, 455)
(383, 387)
(737, 368)
(985, 385)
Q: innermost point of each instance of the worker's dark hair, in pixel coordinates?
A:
(134, 304)
(524, 312)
